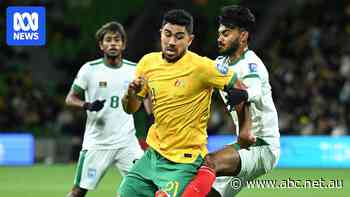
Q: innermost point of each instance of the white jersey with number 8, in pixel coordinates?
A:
(111, 127)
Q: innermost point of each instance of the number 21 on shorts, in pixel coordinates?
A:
(172, 187)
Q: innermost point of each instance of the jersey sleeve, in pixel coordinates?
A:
(81, 80)
(251, 77)
(140, 72)
(217, 75)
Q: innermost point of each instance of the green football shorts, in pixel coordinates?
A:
(154, 172)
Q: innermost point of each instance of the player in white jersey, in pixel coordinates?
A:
(257, 149)
(235, 26)
(109, 137)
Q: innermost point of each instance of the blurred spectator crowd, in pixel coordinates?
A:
(306, 53)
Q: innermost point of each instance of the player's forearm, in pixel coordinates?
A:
(131, 103)
(74, 101)
(244, 118)
(148, 105)
(245, 137)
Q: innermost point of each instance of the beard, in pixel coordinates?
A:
(173, 59)
(112, 55)
(231, 49)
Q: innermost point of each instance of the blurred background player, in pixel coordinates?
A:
(180, 84)
(109, 136)
(242, 160)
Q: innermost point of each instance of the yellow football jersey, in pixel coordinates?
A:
(181, 95)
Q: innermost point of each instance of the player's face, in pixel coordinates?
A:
(112, 44)
(174, 41)
(228, 40)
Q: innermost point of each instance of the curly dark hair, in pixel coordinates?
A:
(236, 16)
(179, 17)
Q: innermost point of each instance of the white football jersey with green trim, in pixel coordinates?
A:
(110, 127)
(253, 73)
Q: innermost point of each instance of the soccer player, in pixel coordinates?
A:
(180, 84)
(242, 160)
(109, 136)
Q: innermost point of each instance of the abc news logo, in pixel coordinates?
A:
(26, 26)
(18, 24)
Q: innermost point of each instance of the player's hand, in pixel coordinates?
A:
(136, 86)
(236, 95)
(246, 139)
(94, 106)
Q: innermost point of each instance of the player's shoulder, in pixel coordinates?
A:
(128, 63)
(202, 63)
(151, 56)
(198, 59)
(251, 57)
(95, 62)
(251, 65)
(252, 60)
(148, 61)
(89, 66)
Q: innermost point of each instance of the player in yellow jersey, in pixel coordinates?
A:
(180, 84)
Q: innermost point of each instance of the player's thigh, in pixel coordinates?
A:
(174, 177)
(270, 156)
(138, 180)
(136, 186)
(127, 156)
(259, 160)
(91, 167)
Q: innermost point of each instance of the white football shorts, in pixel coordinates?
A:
(257, 161)
(93, 164)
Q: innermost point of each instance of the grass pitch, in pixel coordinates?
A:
(56, 181)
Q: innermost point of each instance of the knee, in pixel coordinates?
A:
(225, 162)
(211, 162)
